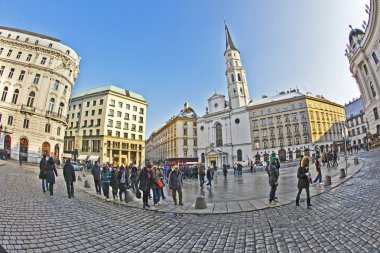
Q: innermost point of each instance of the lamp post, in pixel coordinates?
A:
(345, 135)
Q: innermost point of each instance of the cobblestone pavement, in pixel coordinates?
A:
(344, 219)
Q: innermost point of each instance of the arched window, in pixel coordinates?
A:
(60, 108)
(65, 90)
(232, 78)
(239, 78)
(15, 97)
(51, 105)
(218, 135)
(239, 155)
(31, 97)
(5, 92)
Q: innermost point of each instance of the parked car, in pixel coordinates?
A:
(77, 166)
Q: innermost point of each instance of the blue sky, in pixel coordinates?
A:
(172, 51)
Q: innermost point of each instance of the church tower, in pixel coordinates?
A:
(235, 73)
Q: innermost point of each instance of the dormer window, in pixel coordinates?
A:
(27, 39)
(216, 105)
(50, 45)
(36, 42)
(68, 52)
(17, 37)
(9, 35)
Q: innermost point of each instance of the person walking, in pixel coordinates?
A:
(155, 187)
(20, 158)
(134, 177)
(303, 176)
(202, 175)
(161, 177)
(105, 178)
(209, 174)
(319, 171)
(42, 175)
(51, 173)
(122, 177)
(114, 182)
(273, 174)
(69, 175)
(144, 183)
(176, 184)
(335, 163)
(95, 171)
(225, 171)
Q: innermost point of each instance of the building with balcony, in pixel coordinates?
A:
(176, 141)
(292, 122)
(106, 124)
(363, 53)
(37, 75)
(356, 122)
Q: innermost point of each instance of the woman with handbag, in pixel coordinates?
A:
(156, 186)
(303, 176)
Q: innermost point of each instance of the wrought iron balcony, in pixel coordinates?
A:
(28, 109)
(56, 116)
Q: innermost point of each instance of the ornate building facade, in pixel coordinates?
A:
(176, 141)
(356, 122)
(107, 124)
(363, 53)
(37, 75)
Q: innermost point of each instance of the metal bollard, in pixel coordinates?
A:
(342, 173)
(87, 184)
(327, 180)
(200, 203)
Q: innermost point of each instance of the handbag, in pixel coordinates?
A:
(160, 185)
(138, 194)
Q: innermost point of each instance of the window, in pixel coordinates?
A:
(4, 95)
(100, 111)
(109, 132)
(264, 132)
(94, 103)
(110, 123)
(56, 85)
(263, 122)
(141, 110)
(140, 128)
(218, 135)
(120, 104)
(1, 50)
(127, 106)
(86, 113)
(88, 104)
(372, 89)
(10, 75)
(304, 127)
(92, 112)
(133, 137)
(15, 96)
(60, 108)
(239, 155)
(289, 141)
(126, 135)
(185, 142)
(303, 116)
(98, 122)
(135, 108)
(29, 57)
(112, 102)
(232, 78)
(118, 124)
(9, 53)
(126, 116)
(18, 55)
(126, 126)
(118, 114)
(47, 128)
(296, 130)
(100, 101)
(365, 69)
(51, 105)
(10, 120)
(97, 132)
(133, 127)
(117, 134)
(375, 113)
(2, 70)
(22, 74)
(43, 60)
(111, 112)
(84, 132)
(265, 144)
(134, 117)
(374, 57)
(306, 139)
(36, 79)
(26, 123)
(239, 78)
(31, 97)
(140, 137)
(141, 120)
(195, 142)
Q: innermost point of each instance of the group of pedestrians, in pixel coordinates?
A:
(4, 154)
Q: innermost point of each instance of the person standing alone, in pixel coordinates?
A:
(303, 176)
(42, 175)
(176, 184)
(69, 175)
(95, 171)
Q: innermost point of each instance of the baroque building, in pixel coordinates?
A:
(356, 122)
(176, 141)
(37, 75)
(107, 124)
(363, 53)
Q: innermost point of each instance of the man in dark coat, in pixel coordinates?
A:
(69, 175)
(42, 175)
(144, 182)
(95, 171)
(51, 173)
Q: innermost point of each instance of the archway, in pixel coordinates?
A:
(46, 148)
(257, 158)
(282, 155)
(298, 153)
(24, 149)
(56, 152)
(290, 155)
(7, 144)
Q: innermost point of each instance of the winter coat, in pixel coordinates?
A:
(144, 180)
(43, 164)
(95, 171)
(153, 181)
(175, 180)
(134, 173)
(120, 175)
(303, 177)
(114, 179)
(105, 176)
(51, 171)
(69, 172)
(273, 174)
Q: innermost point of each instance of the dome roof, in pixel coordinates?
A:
(354, 34)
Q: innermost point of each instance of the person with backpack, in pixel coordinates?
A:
(95, 171)
(105, 178)
(303, 176)
(69, 175)
(42, 175)
(319, 171)
(273, 174)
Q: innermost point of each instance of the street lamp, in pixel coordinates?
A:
(345, 135)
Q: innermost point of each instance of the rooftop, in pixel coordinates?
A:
(109, 88)
(354, 108)
(29, 33)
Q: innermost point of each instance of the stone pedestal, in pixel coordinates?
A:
(79, 178)
(342, 173)
(327, 180)
(200, 203)
(87, 184)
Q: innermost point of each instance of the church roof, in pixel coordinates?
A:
(229, 43)
(216, 95)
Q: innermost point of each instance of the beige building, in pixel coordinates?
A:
(175, 142)
(291, 122)
(363, 53)
(37, 74)
(107, 124)
(356, 122)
